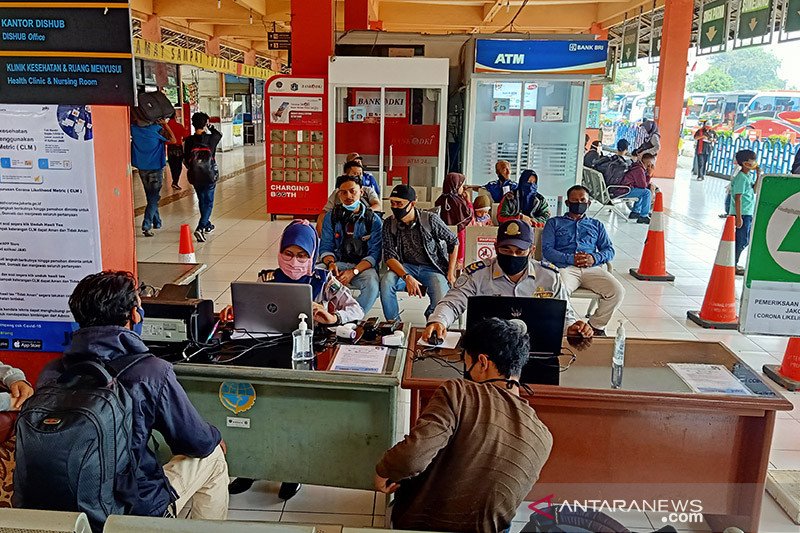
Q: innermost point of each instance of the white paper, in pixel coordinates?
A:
(357, 358)
(709, 379)
(450, 341)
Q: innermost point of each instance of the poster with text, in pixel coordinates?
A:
(49, 227)
(296, 110)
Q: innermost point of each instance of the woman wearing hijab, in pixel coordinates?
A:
(526, 203)
(456, 209)
(652, 139)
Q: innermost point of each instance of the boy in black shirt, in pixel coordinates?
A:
(200, 152)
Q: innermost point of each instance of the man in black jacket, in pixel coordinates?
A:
(108, 310)
(200, 158)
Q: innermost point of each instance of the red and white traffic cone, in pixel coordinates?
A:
(788, 374)
(186, 247)
(653, 266)
(719, 304)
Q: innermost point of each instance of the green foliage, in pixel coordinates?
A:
(753, 68)
(626, 81)
(713, 80)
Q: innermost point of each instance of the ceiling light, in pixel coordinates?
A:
(251, 16)
(219, 4)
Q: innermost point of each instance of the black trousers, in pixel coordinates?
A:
(175, 160)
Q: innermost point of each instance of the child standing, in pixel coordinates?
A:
(743, 200)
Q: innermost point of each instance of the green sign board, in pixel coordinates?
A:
(655, 38)
(792, 21)
(630, 46)
(755, 18)
(771, 300)
(713, 23)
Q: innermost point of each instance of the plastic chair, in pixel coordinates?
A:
(599, 192)
(29, 520)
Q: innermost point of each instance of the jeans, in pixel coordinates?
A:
(642, 205)
(435, 284)
(743, 235)
(205, 201)
(702, 161)
(366, 282)
(151, 181)
(175, 159)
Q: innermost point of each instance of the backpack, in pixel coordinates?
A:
(510, 206)
(613, 169)
(201, 167)
(74, 444)
(353, 250)
(153, 106)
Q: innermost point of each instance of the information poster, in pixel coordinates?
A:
(297, 110)
(771, 300)
(49, 228)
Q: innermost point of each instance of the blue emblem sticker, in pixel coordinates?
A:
(237, 397)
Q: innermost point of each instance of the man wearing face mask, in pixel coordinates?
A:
(419, 250)
(579, 246)
(109, 313)
(513, 272)
(444, 477)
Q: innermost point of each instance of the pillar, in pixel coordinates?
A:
(151, 29)
(675, 42)
(250, 57)
(212, 46)
(596, 89)
(312, 36)
(356, 15)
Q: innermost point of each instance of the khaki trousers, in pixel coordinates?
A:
(599, 280)
(203, 482)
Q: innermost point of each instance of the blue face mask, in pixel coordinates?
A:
(137, 328)
(352, 207)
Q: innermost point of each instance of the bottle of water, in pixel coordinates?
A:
(618, 359)
(302, 352)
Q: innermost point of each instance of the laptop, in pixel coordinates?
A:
(545, 320)
(270, 308)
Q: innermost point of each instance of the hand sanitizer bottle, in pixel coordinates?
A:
(302, 352)
(618, 359)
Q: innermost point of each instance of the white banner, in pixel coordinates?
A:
(49, 227)
(394, 105)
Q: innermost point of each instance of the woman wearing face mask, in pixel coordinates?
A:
(525, 203)
(651, 144)
(456, 209)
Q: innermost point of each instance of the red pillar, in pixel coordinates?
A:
(356, 15)
(212, 46)
(675, 42)
(151, 29)
(312, 36)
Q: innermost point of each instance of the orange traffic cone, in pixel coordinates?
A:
(653, 266)
(788, 374)
(719, 304)
(186, 248)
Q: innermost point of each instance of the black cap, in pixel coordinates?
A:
(406, 192)
(515, 233)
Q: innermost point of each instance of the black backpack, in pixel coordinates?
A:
(201, 167)
(353, 250)
(510, 205)
(613, 169)
(153, 106)
(74, 444)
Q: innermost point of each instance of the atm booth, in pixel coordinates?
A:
(393, 112)
(527, 103)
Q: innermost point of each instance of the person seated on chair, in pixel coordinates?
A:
(351, 168)
(579, 246)
(638, 179)
(613, 167)
(333, 303)
(513, 272)
(367, 179)
(477, 448)
(352, 242)
(525, 203)
(503, 183)
(419, 250)
(109, 313)
(592, 154)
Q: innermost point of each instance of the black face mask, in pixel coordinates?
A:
(577, 208)
(511, 264)
(510, 383)
(401, 212)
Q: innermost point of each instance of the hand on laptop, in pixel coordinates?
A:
(580, 329)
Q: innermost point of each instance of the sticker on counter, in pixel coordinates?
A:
(237, 397)
(237, 422)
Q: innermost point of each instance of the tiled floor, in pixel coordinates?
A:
(246, 242)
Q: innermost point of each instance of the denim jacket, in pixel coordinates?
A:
(562, 237)
(333, 238)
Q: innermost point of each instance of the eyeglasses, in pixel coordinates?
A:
(301, 257)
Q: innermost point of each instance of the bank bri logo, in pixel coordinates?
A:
(541, 56)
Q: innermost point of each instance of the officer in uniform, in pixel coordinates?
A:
(512, 273)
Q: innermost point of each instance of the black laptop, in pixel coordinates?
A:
(545, 320)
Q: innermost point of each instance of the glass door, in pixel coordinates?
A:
(498, 106)
(358, 114)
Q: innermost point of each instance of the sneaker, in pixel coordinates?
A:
(724, 215)
(157, 225)
(643, 220)
(176, 187)
(633, 216)
(148, 233)
(199, 235)
(240, 485)
(739, 271)
(288, 490)
(209, 229)
(700, 178)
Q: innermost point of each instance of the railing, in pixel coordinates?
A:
(615, 131)
(774, 157)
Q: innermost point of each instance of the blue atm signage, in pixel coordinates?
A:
(541, 57)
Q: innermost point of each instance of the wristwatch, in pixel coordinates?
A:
(356, 272)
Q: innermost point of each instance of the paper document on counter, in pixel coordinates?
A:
(355, 358)
(709, 379)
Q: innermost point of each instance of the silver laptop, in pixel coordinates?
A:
(262, 308)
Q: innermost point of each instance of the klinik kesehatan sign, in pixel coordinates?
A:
(771, 299)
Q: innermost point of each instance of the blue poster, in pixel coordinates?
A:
(541, 56)
(35, 336)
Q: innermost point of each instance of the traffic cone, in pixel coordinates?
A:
(719, 304)
(186, 248)
(788, 374)
(653, 266)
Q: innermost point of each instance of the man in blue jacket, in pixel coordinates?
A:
(352, 242)
(503, 183)
(579, 246)
(108, 310)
